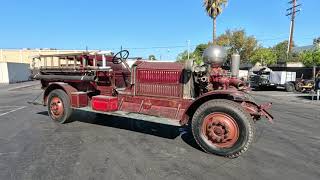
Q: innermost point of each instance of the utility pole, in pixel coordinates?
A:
(188, 42)
(292, 12)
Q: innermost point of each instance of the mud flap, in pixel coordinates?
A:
(258, 110)
(263, 111)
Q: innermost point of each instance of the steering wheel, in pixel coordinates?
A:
(120, 57)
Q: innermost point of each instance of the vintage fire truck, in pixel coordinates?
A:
(212, 101)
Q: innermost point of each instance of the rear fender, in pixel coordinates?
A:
(57, 85)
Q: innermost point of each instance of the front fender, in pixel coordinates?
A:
(255, 110)
(233, 95)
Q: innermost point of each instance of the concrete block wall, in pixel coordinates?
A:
(14, 72)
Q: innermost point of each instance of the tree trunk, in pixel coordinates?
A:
(214, 31)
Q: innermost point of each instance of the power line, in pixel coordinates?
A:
(142, 48)
(159, 47)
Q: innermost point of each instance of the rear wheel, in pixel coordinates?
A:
(59, 108)
(298, 86)
(222, 127)
(290, 87)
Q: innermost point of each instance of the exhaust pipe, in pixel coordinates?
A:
(104, 61)
(235, 68)
(235, 65)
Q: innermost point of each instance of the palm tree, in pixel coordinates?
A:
(214, 8)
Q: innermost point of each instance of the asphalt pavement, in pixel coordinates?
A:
(34, 147)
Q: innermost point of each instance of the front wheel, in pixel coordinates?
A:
(59, 108)
(222, 127)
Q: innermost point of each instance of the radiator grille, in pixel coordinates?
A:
(147, 76)
(159, 83)
(159, 90)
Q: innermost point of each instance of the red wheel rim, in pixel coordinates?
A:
(220, 130)
(56, 107)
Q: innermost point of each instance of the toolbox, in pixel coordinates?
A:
(104, 103)
(79, 99)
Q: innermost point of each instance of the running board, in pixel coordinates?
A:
(136, 116)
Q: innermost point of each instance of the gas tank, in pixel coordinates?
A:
(214, 56)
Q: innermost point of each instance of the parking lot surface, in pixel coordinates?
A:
(34, 147)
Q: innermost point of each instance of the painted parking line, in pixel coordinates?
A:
(9, 107)
(13, 109)
(289, 95)
(8, 153)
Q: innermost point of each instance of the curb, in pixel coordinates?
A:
(23, 86)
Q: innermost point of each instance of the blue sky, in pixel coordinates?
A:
(106, 24)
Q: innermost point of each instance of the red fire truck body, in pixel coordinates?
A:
(215, 105)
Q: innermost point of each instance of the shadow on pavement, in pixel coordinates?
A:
(159, 130)
(268, 89)
(311, 97)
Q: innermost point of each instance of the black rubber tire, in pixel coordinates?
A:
(233, 109)
(290, 87)
(65, 118)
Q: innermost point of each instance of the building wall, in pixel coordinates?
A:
(295, 64)
(25, 55)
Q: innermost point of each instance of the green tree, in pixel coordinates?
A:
(281, 51)
(196, 55)
(200, 48)
(316, 57)
(310, 58)
(265, 56)
(182, 57)
(238, 41)
(316, 41)
(214, 8)
(152, 57)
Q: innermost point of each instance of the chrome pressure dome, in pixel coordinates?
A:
(214, 56)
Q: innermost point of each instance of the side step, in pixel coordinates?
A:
(136, 116)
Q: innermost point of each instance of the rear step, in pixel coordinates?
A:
(135, 116)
